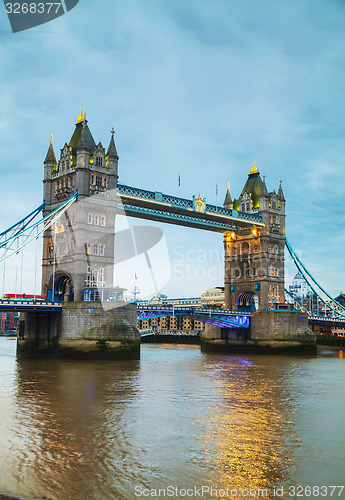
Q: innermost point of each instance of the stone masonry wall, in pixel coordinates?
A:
(96, 320)
(280, 325)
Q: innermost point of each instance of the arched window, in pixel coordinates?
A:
(245, 248)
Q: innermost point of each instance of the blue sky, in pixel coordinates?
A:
(196, 87)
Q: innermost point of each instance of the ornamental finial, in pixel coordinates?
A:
(112, 132)
(280, 182)
(228, 184)
(82, 115)
(254, 169)
(51, 138)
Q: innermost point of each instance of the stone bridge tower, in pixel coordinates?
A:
(254, 257)
(78, 253)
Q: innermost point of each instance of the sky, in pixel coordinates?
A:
(196, 88)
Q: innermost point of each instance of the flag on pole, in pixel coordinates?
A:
(217, 189)
(179, 180)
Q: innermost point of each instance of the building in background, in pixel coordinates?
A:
(213, 297)
(299, 288)
(9, 322)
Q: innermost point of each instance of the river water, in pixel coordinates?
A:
(177, 418)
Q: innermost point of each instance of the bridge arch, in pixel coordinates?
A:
(247, 301)
(63, 287)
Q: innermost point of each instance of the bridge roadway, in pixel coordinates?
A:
(154, 205)
(28, 305)
(219, 317)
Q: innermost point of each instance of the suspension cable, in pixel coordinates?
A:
(296, 261)
(36, 264)
(289, 247)
(21, 272)
(47, 221)
(54, 257)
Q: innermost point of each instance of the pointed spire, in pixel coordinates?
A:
(82, 115)
(50, 158)
(228, 201)
(264, 192)
(112, 148)
(280, 192)
(83, 143)
(254, 169)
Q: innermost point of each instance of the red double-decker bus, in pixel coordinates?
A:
(24, 297)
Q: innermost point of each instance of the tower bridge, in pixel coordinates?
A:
(78, 254)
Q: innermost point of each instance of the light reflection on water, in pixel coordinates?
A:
(95, 430)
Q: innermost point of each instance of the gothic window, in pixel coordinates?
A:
(270, 271)
(88, 248)
(105, 182)
(101, 250)
(94, 249)
(103, 219)
(274, 204)
(245, 248)
(99, 161)
(90, 218)
(248, 206)
(93, 179)
(271, 219)
(98, 181)
(96, 219)
(278, 220)
(88, 276)
(50, 249)
(256, 248)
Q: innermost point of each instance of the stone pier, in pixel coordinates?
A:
(273, 332)
(83, 330)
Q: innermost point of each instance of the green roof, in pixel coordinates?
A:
(76, 137)
(252, 186)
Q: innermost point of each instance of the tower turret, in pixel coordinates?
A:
(112, 157)
(82, 172)
(263, 200)
(228, 200)
(50, 165)
(281, 197)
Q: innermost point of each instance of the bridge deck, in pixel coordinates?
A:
(157, 206)
(32, 305)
